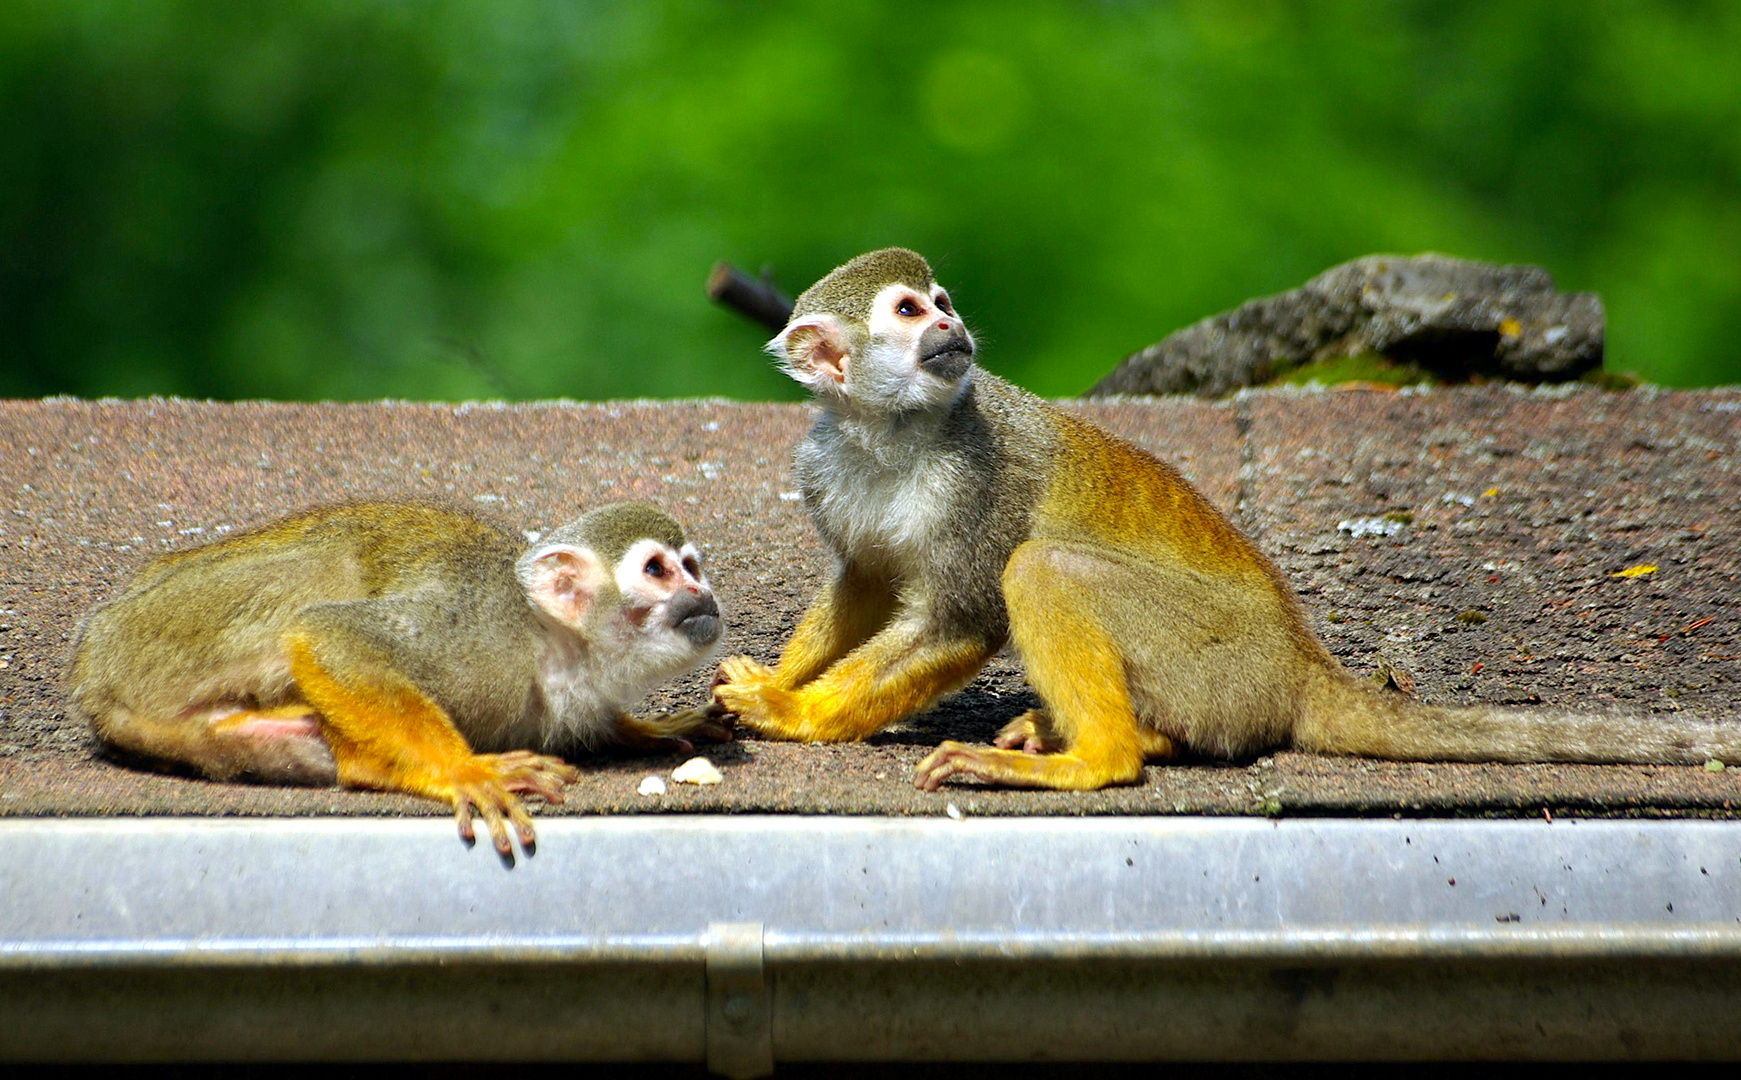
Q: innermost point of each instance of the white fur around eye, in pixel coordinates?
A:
(688, 553)
(884, 322)
(631, 573)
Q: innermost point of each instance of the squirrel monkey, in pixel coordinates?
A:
(964, 512)
(384, 644)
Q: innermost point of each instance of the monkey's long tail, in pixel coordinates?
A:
(1344, 717)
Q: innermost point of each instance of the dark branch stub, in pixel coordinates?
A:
(753, 298)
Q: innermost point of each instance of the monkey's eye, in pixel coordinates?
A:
(943, 304)
(907, 308)
(654, 568)
(693, 566)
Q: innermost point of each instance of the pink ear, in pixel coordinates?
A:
(815, 349)
(565, 581)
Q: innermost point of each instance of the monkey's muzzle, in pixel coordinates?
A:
(946, 354)
(696, 617)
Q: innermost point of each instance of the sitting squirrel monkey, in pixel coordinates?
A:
(384, 644)
(963, 512)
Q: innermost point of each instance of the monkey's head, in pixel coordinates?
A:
(877, 333)
(630, 587)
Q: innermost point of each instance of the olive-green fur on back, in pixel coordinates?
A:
(848, 289)
(191, 617)
(403, 535)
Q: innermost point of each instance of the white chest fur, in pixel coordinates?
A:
(578, 705)
(878, 495)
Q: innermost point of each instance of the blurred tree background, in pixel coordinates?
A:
(364, 198)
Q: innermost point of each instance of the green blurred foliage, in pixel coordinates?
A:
(364, 198)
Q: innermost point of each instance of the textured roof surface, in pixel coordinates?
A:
(1512, 512)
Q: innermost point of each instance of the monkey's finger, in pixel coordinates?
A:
(523, 771)
(532, 783)
(462, 810)
(742, 701)
(741, 669)
(498, 829)
(522, 824)
(553, 774)
(938, 766)
(715, 729)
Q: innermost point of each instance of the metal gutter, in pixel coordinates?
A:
(742, 941)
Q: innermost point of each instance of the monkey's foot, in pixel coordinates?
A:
(763, 708)
(742, 671)
(750, 691)
(1031, 733)
(492, 787)
(1013, 768)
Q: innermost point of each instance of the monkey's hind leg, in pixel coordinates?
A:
(277, 745)
(386, 734)
(1077, 669)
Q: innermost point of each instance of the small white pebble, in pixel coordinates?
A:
(954, 812)
(697, 770)
(791, 496)
(1369, 526)
(651, 785)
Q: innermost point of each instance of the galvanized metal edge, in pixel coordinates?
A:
(746, 941)
(1719, 941)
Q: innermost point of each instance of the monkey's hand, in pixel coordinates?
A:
(672, 731)
(710, 723)
(492, 785)
(1031, 732)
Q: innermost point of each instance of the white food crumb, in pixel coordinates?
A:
(791, 496)
(651, 785)
(697, 770)
(954, 812)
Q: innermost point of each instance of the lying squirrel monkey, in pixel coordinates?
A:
(383, 644)
(964, 512)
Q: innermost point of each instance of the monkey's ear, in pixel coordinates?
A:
(565, 580)
(814, 350)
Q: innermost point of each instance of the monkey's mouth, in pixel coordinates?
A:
(698, 620)
(949, 363)
(701, 630)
